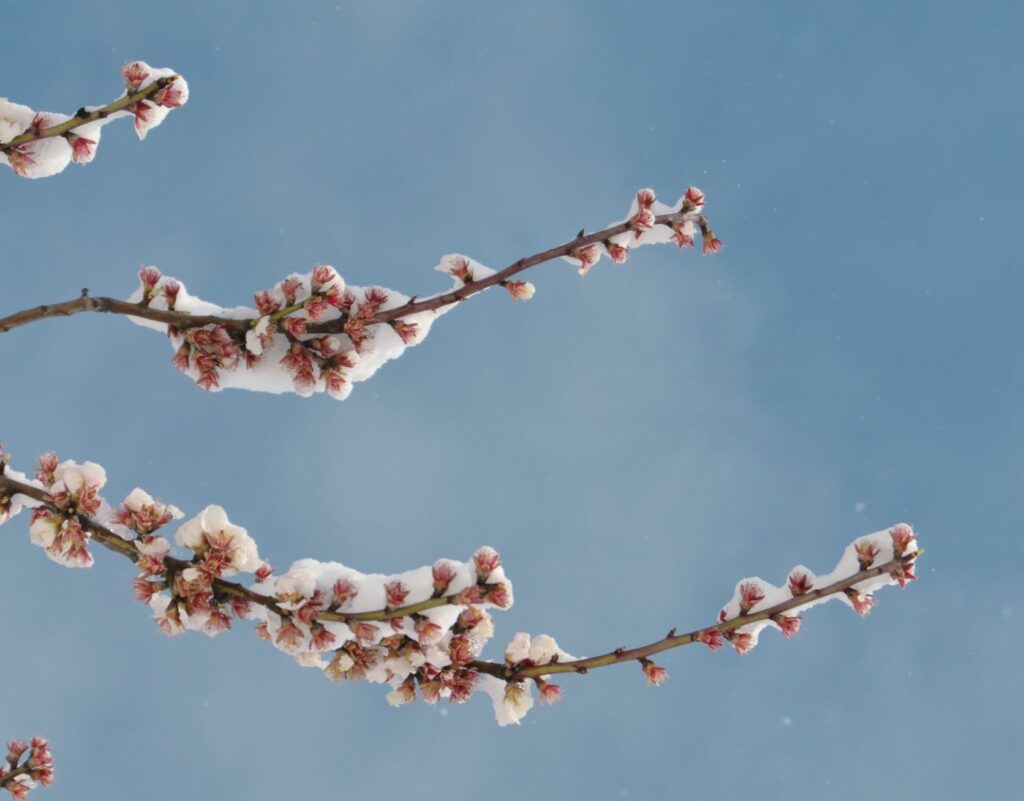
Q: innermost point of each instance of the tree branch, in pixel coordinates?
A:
(183, 320)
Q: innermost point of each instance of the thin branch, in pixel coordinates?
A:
(673, 640)
(183, 320)
(83, 117)
(225, 589)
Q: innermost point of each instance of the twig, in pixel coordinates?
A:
(83, 117)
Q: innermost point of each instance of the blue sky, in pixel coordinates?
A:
(632, 443)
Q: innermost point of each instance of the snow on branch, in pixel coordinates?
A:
(421, 632)
(26, 765)
(38, 144)
(313, 333)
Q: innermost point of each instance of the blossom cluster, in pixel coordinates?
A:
(419, 631)
(687, 213)
(38, 144)
(308, 333)
(312, 332)
(755, 594)
(27, 765)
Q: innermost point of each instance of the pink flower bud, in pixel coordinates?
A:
(443, 574)
(693, 199)
(904, 574)
(800, 582)
(655, 674)
(862, 603)
(396, 593)
(134, 75)
(683, 234)
(645, 198)
(407, 332)
(866, 553)
(549, 693)
(743, 642)
(82, 151)
(499, 595)
(711, 243)
(587, 256)
(263, 572)
(902, 538)
(519, 290)
(487, 561)
(618, 253)
(642, 221)
(790, 624)
(712, 638)
(172, 95)
(750, 595)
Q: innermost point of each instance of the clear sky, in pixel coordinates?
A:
(632, 443)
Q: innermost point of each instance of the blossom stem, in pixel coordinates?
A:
(83, 117)
(673, 640)
(87, 303)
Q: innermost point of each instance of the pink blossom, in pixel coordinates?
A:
(134, 75)
(904, 574)
(642, 221)
(81, 148)
(365, 633)
(499, 595)
(443, 573)
(310, 609)
(645, 198)
(427, 631)
(655, 674)
(296, 326)
(458, 267)
(171, 95)
(321, 639)
(618, 253)
(800, 582)
(902, 538)
(683, 234)
(587, 256)
(712, 638)
(461, 650)
(866, 553)
(519, 290)
(743, 642)
(266, 303)
(790, 624)
(751, 594)
(141, 110)
(263, 572)
(549, 693)
(344, 591)
(407, 332)
(289, 636)
(396, 593)
(862, 603)
(487, 561)
(21, 160)
(693, 199)
(711, 243)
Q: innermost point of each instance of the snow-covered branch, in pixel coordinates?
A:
(26, 765)
(423, 631)
(38, 144)
(313, 333)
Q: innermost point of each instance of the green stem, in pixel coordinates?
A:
(84, 117)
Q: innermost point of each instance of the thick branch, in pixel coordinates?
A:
(83, 117)
(183, 320)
